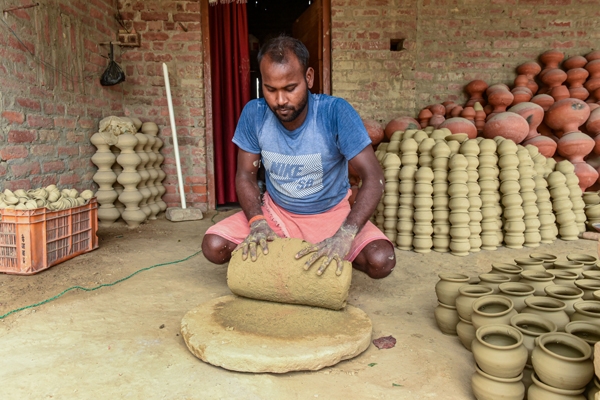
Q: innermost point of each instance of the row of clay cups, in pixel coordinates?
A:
(560, 364)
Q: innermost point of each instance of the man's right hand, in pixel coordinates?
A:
(260, 234)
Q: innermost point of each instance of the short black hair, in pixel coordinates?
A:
(278, 49)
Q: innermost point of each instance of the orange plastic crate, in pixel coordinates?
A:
(34, 240)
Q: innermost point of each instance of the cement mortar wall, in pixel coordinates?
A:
(447, 44)
(50, 96)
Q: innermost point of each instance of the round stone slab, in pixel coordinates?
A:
(249, 335)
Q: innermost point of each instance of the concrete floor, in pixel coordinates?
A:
(123, 341)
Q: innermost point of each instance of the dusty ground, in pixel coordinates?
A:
(123, 341)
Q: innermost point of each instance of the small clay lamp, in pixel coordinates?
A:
(475, 89)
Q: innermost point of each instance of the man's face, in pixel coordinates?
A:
(285, 88)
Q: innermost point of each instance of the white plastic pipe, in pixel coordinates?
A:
(174, 134)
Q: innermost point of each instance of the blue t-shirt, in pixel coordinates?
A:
(306, 169)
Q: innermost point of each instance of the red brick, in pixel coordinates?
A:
(29, 103)
(14, 117)
(155, 36)
(39, 121)
(87, 123)
(13, 185)
(154, 16)
(43, 150)
(13, 152)
(61, 122)
(19, 136)
(69, 179)
(53, 166)
(68, 151)
(25, 169)
(183, 17)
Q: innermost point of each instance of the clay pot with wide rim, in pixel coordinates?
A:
(584, 330)
(531, 326)
(446, 318)
(562, 360)
(567, 294)
(548, 259)
(591, 274)
(507, 125)
(492, 309)
(593, 389)
(446, 289)
(492, 281)
(467, 295)
(587, 260)
(588, 310)
(573, 266)
(499, 351)
(465, 332)
(547, 307)
(564, 277)
(538, 279)
(400, 124)
(540, 391)
(488, 387)
(589, 286)
(511, 271)
(517, 292)
(530, 263)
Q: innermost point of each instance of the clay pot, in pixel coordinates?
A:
(375, 131)
(538, 279)
(465, 332)
(543, 100)
(488, 387)
(475, 89)
(517, 292)
(567, 115)
(530, 263)
(548, 259)
(460, 125)
(507, 125)
(588, 310)
(573, 266)
(400, 124)
(549, 308)
(530, 70)
(563, 277)
(587, 260)
(499, 100)
(521, 95)
(574, 62)
(492, 281)
(468, 113)
(593, 55)
(499, 351)
(562, 361)
(553, 77)
(545, 145)
(446, 318)
(541, 391)
(467, 295)
(533, 114)
(560, 93)
(591, 274)
(592, 124)
(584, 330)
(531, 326)
(446, 289)
(424, 117)
(436, 120)
(567, 294)
(511, 271)
(593, 389)
(492, 309)
(551, 59)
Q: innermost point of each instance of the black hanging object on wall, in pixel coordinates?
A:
(113, 73)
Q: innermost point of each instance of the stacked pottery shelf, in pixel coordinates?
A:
(448, 193)
(559, 116)
(531, 326)
(129, 175)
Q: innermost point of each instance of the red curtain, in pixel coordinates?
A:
(230, 71)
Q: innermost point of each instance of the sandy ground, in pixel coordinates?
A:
(123, 341)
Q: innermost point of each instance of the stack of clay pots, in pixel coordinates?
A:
(531, 326)
(50, 197)
(448, 193)
(592, 209)
(557, 113)
(129, 175)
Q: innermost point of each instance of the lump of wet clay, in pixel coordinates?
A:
(249, 335)
(279, 277)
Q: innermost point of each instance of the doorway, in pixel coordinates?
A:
(307, 20)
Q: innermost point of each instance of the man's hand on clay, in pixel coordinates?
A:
(334, 248)
(260, 234)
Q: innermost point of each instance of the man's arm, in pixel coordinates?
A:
(246, 185)
(337, 247)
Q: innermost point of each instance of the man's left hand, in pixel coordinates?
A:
(334, 248)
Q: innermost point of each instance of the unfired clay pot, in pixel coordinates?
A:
(492, 281)
(531, 326)
(540, 391)
(467, 295)
(465, 332)
(530, 263)
(549, 308)
(573, 266)
(499, 351)
(585, 330)
(511, 271)
(517, 292)
(446, 318)
(589, 286)
(567, 294)
(507, 125)
(548, 258)
(564, 277)
(538, 279)
(587, 310)
(587, 260)
(446, 289)
(492, 309)
(488, 387)
(562, 361)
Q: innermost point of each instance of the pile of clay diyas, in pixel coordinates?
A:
(531, 326)
(129, 173)
(50, 197)
(448, 193)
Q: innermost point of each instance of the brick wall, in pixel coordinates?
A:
(447, 44)
(50, 96)
(170, 33)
